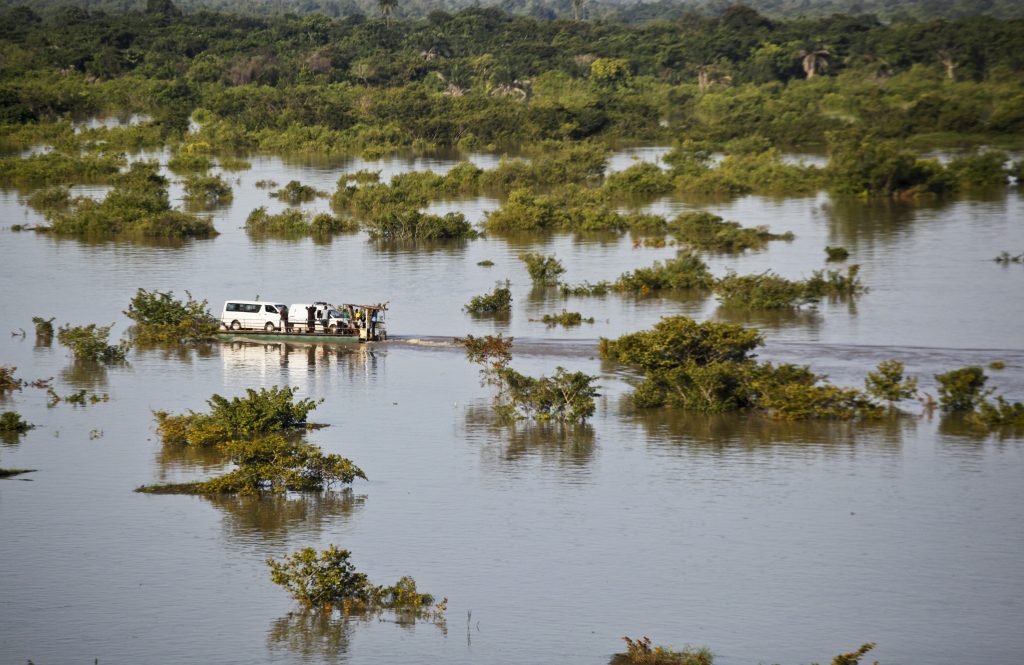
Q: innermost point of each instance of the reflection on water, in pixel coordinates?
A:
(173, 461)
(567, 446)
(312, 636)
(807, 318)
(676, 429)
(272, 519)
(303, 365)
(85, 374)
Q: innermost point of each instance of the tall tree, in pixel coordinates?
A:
(387, 7)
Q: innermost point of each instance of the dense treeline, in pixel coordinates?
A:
(621, 11)
(485, 78)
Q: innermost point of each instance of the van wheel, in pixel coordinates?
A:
(235, 325)
(270, 326)
(223, 326)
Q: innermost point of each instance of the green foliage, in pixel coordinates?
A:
(641, 651)
(328, 579)
(137, 206)
(185, 162)
(837, 253)
(566, 319)
(770, 291)
(293, 223)
(566, 397)
(585, 289)
(765, 172)
(980, 169)
(889, 384)
(702, 230)
(686, 271)
(486, 263)
(640, 179)
(1001, 413)
(543, 269)
(676, 340)
(206, 191)
(491, 351)
(962, 390)
(50, 198)
(865, 165)
(160, 317)
(709, 367)
(233, 164)
(8, 381)
(59, 169)
(414, 225)
(295, 193)
(498, 301)
(259, 413)
(89, 343)
(609, 71)
(854, 657)
(11, 421)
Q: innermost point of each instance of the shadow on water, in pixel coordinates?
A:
(567, 446)
(272, 519)
(856, 222)
(808, 318)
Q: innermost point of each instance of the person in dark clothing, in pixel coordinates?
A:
(285, 326)
(311, 318)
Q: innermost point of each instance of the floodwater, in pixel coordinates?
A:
(767, 542)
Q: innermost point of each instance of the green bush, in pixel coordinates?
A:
(702, 230)
(601, 288)
(328, 579)
(295, 193)
(981, 169)
(640, 179)
(770, 291)
(414, 225)
(184, 162)
(160, 317)
(57, 197)
(89, 343)
(259, 413)
(543, 269)
(11, 421)
(44, 327)
(498, 301)
(206, 191)
(642, 651)
(889, 384)
(837, 253)
(8, 381)
(962, 390)
(566, 397)
(686, 271)
(60, 169)
(565, 318)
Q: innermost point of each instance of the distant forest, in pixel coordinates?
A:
(625, 11)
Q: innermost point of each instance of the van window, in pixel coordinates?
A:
(232, 307)
(270, 309)
(249, 309)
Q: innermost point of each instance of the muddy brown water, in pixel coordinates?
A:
(767, 542)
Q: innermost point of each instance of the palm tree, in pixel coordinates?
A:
(813, 61)
(386, 9)
(577, 7)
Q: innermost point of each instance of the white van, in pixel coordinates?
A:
(252, 315)
(326, 317)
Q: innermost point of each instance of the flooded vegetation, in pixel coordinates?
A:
(738, 294)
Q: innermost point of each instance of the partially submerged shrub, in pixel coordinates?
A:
(295, 223)
(565, 318)
(60, 168)
(702, 230)
(258, 413)
(12, 422)
(543, 269)
(160, 317)
(491, 351)
(184, 162)
(271, 463)
(498, 301)
(566, 397)
(687, 271)
(837, 253)
(89, 343)
(640, 179)
(642, 651)
(44, 327)
(295, 193)
(415, 225)
(207, 191)
(8, 381)
(137, 206)
(962, 390)
(50, 198)
(709, 367)
(771, 291)
(601, 288)
(889, 384)
(328, 579)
